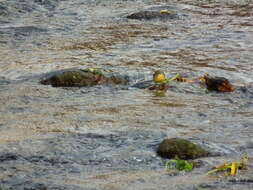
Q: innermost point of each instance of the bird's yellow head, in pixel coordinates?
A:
(159, 77)
(203, 78)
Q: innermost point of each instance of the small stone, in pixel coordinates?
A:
(82, 78)
(181, 149)
(149, 15)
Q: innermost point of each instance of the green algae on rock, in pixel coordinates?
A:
(181, 149)
(82, 78)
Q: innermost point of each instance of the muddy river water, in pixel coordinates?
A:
(105, 137)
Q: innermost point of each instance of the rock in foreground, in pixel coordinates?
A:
(82, 78)
(180, 148)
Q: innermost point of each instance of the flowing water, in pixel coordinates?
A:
(105, 137)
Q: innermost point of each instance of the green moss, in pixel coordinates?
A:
(72, 78)
(83, 77)
(180, 148)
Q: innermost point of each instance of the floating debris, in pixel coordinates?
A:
(180, 78)
(181, 165)
(232, 167)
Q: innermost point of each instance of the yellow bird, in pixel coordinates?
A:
(159, 77)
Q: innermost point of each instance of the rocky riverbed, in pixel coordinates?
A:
(106, 136)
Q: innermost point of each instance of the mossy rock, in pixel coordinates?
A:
(82, 78)
(149, 15)
(72, 78)
(181, 149)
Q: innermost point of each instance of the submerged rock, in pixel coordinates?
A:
(73, 78)
(117, 79)
(150, 85)
(148, 15)
(81, 78)
(180, 148)
(143, 84)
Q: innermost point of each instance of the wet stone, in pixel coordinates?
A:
(180, 148)
(82, 78)
(149, 15)
(71, 79)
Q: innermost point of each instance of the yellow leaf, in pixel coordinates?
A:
(165, 12)
(233, 168)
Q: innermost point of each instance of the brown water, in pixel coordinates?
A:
(37, 37)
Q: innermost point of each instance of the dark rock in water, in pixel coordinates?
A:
(150, 85)
(180, 148)
(81, 78)
(148, 15)
(143, 84)
(118, 79)
(72, 78)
